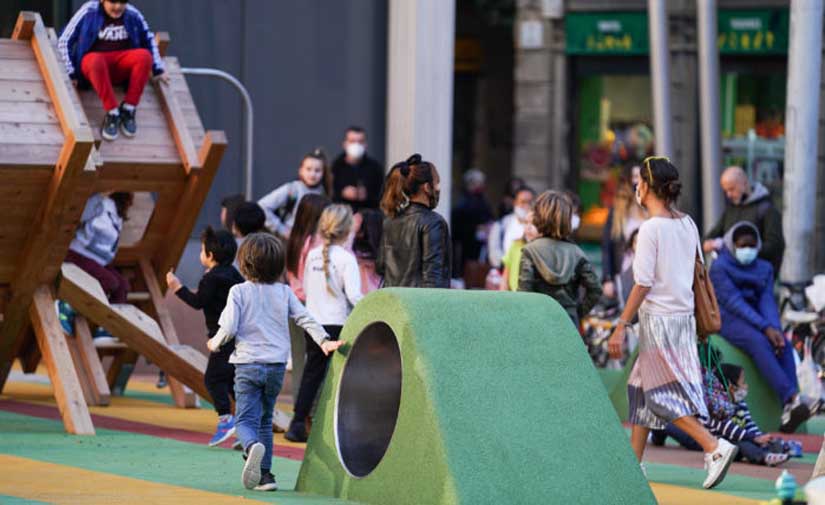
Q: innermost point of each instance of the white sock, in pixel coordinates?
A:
(114, 112)
(128, 107)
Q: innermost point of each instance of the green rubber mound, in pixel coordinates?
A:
(496, 401)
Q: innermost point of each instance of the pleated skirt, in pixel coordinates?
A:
(666, 380)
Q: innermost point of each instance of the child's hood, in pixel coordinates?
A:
(555, 261)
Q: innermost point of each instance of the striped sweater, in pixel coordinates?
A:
(736, 428)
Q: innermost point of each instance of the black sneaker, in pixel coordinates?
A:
(109, 129)
(297, 432)
(127, 121)
(267, 483)
(794, 413)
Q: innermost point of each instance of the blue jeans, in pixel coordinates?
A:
(256, 387)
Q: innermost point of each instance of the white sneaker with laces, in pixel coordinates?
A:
(718, 462)
(251, 475)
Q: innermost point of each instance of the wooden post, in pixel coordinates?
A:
(56, 354)
(91, 362)
(190, 203)
(182, 395)
(70, 187)
(177, 125)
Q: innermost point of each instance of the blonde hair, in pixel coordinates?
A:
(552, 212)
(334, 226)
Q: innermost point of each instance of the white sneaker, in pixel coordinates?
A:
(643, 468)
(251, 475)
(718, 462)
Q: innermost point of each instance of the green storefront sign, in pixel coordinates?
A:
(762, 31)
(753, 31)
(623, 33)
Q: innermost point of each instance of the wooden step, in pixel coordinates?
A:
(139, 331)
(138, 296)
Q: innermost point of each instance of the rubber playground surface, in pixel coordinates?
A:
(148, 452)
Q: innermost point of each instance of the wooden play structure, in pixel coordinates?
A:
(51, 161)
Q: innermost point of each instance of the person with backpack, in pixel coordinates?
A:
(281, 204)
(750, 202)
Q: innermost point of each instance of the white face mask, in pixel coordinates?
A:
(746, 255)
(740, 394)
(356, 150)
(521, 213)
(575, 222)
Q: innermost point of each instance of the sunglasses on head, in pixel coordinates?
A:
(647, 161)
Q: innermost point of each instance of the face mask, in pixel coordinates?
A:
(740, 394)
(355, 150)
(575, 221)
(638, 197)
(521, 213)
(746, 255)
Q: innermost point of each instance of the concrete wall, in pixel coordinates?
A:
(312, 67)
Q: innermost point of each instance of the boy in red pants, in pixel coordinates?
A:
(108, 42)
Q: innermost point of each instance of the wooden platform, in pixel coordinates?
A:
(52, 160)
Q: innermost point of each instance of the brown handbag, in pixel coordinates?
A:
(708, 318)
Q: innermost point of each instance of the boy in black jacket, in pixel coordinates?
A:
(218, 249)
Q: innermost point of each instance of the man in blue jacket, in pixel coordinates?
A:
(108, 42)
(750, 317)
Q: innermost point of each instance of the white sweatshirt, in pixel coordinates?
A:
(332, 306)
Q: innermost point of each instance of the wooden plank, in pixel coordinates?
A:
(27, 112)
(177, 125)
(54, 73)
(82, 377)
(150, 117)
(50, 235)
(24, 27)
(138, 154)
(30, 355)
(31, 133)
(183, 396)
(140, 332)
(26, 156)
(91, 362)
(19, 70)
(16, 49)
(56, 354)
(24, 91)
(162, 39)
(191, 201)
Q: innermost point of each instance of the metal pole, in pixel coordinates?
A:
(709, 107)
(660, 73)
(801, 132)
(214, 72)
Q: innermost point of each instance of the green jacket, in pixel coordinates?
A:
(558, 269)
(759, 210)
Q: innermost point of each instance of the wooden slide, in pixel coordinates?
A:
(51, 161)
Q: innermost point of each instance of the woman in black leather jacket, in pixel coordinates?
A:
(415, 246)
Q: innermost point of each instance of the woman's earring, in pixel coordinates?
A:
(404, 203)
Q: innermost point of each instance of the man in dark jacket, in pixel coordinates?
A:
(471, 220)
(357, 178)
(108, 42)
(752, 203)
(750, 317)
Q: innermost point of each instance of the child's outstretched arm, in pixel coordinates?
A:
(218, 341)
(302, 318)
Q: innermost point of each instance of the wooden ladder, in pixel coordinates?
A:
(131, 326)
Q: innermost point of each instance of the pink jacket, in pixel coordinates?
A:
(296, 282)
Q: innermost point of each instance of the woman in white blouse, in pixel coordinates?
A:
(665, 384)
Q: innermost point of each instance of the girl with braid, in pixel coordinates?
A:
(332, 284)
